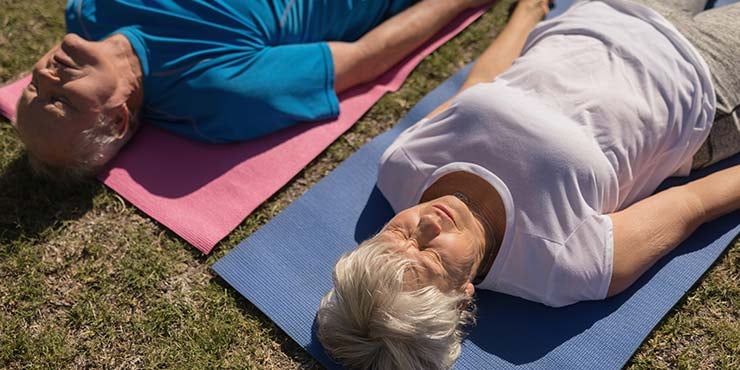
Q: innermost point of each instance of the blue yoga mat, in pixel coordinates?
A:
(285, 268)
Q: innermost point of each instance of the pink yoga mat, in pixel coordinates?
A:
(203, 191)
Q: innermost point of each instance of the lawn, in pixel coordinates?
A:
(87, 280)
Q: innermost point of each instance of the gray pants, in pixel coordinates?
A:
(715, 33)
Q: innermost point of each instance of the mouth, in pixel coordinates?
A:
(446, 212)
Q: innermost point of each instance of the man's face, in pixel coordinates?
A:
(71, 85)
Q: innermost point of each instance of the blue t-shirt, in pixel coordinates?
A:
(230, 70)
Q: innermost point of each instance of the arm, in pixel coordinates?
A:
(649, 229)
(383, 47)
(506, 47)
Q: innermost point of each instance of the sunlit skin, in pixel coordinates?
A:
(446, 238)
(71, 85)
(443, 238)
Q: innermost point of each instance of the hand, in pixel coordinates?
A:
(531, 11)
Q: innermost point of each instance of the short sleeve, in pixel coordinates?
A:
(218, 71)
(398, 178)
(296, 81)
(249, 94)
(583, 266)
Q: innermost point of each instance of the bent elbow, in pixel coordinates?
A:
(620, 281)
(616, 288)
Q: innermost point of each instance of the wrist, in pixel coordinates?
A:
(530, 12)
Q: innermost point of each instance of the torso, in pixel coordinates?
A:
(215, 70)
(630, 81)
(577, 128)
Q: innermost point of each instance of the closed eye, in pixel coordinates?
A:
(435, 258)
(398, 232)
(59, 101)
(33, 87)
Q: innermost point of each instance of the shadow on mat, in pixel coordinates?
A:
(29, 206)
(317, 349)
(376, 213)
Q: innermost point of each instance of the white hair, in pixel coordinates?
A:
(369, 321)
(94, 148)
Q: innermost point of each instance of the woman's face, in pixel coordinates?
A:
(445, 240)
(70, 87)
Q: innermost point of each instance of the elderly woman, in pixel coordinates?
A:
(213, 71)
(539, 183)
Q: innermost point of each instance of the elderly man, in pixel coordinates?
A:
(213, 71)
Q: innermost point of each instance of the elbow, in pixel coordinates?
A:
(352, 65)
(369, 62)
(618, 285)
(625, 272)
(623, 276)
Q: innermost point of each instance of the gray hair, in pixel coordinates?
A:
(94, 148)
(369, 321)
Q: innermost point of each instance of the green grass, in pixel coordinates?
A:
(86, 280)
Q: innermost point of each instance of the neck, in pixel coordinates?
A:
(485, 203)
(127, 62)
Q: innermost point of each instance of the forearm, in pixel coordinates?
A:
(718, 193)
(651, 228)
(383, 47)
(648, 230)
(505, 48)
(502, 52)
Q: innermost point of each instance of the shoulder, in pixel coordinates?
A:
(398, 177)
(556, 273)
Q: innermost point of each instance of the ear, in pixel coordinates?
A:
(469, 289)
(121, 121)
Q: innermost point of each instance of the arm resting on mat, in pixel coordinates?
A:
(383, 47)
(646, 231)
(506, 47)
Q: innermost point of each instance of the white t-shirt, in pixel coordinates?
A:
(606, 102)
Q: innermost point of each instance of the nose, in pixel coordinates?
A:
(430, 227)
(77, 48)
(72, 39)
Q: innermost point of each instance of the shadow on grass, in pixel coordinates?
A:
(30, 206)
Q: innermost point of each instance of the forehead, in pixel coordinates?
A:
(422, 273)
(422, 269)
